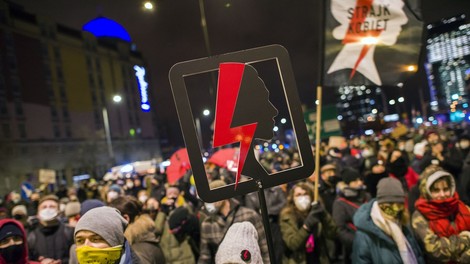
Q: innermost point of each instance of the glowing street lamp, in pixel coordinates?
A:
(116, 99)
(148, 5)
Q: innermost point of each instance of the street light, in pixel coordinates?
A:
(116, 99)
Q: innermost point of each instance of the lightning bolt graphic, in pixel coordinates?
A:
(354, 35)
(230, 78)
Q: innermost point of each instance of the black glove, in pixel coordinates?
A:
(317, 212)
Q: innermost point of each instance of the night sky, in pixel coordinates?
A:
(172, 33)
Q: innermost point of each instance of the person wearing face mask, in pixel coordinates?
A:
(369, 158)
(306, 227)
(51, 239)
(372, 178)
(327, 186)
(180, 240)
(382, 234)
(99, 237)
(351, 196)
(13, 245)
(221, 215)
(397, 166)
(441, 220)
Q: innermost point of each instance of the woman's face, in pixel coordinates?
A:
(440, 190)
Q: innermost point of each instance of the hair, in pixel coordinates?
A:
(428, 171)
(290, 207)
(128, 205)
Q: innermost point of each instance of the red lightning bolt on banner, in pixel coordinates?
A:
(355, 34)
(230, 78)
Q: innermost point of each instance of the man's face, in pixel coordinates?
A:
(326, 174)
(48, 204)
(172, 192)
(91, 239)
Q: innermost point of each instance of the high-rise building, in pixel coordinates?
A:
(448, 67)
(56, 98)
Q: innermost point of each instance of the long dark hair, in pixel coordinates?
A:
(128, 205)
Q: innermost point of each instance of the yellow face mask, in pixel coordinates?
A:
(87, 254)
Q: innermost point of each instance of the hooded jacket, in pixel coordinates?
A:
(24, 254)
(144, 243)
(440, 249)
(372, 245)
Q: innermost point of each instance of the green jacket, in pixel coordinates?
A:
(296, 236)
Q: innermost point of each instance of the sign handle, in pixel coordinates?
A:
(266, 225)
(317, 142)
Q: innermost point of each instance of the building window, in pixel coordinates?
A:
(98, 65)
(57, 53)
(22, 131)
(88, 62)
(53, 112)
(18, 108)
(60, 74)
(65, 112)
(6, 130)
(68, 132)
(56, 131)
(3, 107)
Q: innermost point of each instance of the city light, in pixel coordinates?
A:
(283, 121)
(275, 128)
(391, 102)
(411, 68)
(401, 99)
(206, 112)
(148, 5)
(117, 98)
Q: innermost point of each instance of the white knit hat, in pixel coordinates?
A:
(240, 245)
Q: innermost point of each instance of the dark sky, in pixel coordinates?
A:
(172, 33)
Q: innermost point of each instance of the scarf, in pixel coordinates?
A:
(394, 231)
(441, 214)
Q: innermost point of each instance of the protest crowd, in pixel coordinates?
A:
(394, 198)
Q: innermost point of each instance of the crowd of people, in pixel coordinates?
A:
(382, 199)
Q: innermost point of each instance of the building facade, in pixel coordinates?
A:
(56, 86)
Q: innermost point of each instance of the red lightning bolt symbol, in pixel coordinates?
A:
(354, 33)
(230, 78)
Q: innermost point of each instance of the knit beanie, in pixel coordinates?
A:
(390, 190)
(72, 209)
(349, 175)
(50, 197)
(19, 209)
(9, 230)
(240, 245)
(177, 217)
(106, 222)
(87, 205)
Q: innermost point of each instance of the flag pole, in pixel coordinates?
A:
(319, 99)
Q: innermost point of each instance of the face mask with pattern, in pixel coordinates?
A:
(394, 210)
(87, 254)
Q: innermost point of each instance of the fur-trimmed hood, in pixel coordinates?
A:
(141, 230)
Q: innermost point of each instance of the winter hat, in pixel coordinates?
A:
(87, 205)
(9, 230)
(115, 188)
(437, 176)
(106, 222)
(49, 197)
(177, 217)
(390, 190)
(19, 209)
(327, 167)
(72, 209)
(349, 175)
(240, 245)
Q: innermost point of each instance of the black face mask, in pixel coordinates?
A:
(12, 253)
(333, 180)
(398, 167)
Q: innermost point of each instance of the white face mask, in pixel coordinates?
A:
(302, 202)
(366, 153)
(112, 195)
(47, 214)
(130, 185)
(210, 207)
(143, 198)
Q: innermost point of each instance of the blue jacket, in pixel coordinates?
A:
(372, 245)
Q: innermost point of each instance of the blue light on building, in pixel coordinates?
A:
(105, 27)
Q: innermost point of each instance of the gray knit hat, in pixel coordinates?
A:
(240, 245)
(72, 209)
(390, 190)
(106, 222)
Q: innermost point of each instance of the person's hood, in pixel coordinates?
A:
(363, 222)
(427, 182)
(141, 230)
(24, 258)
